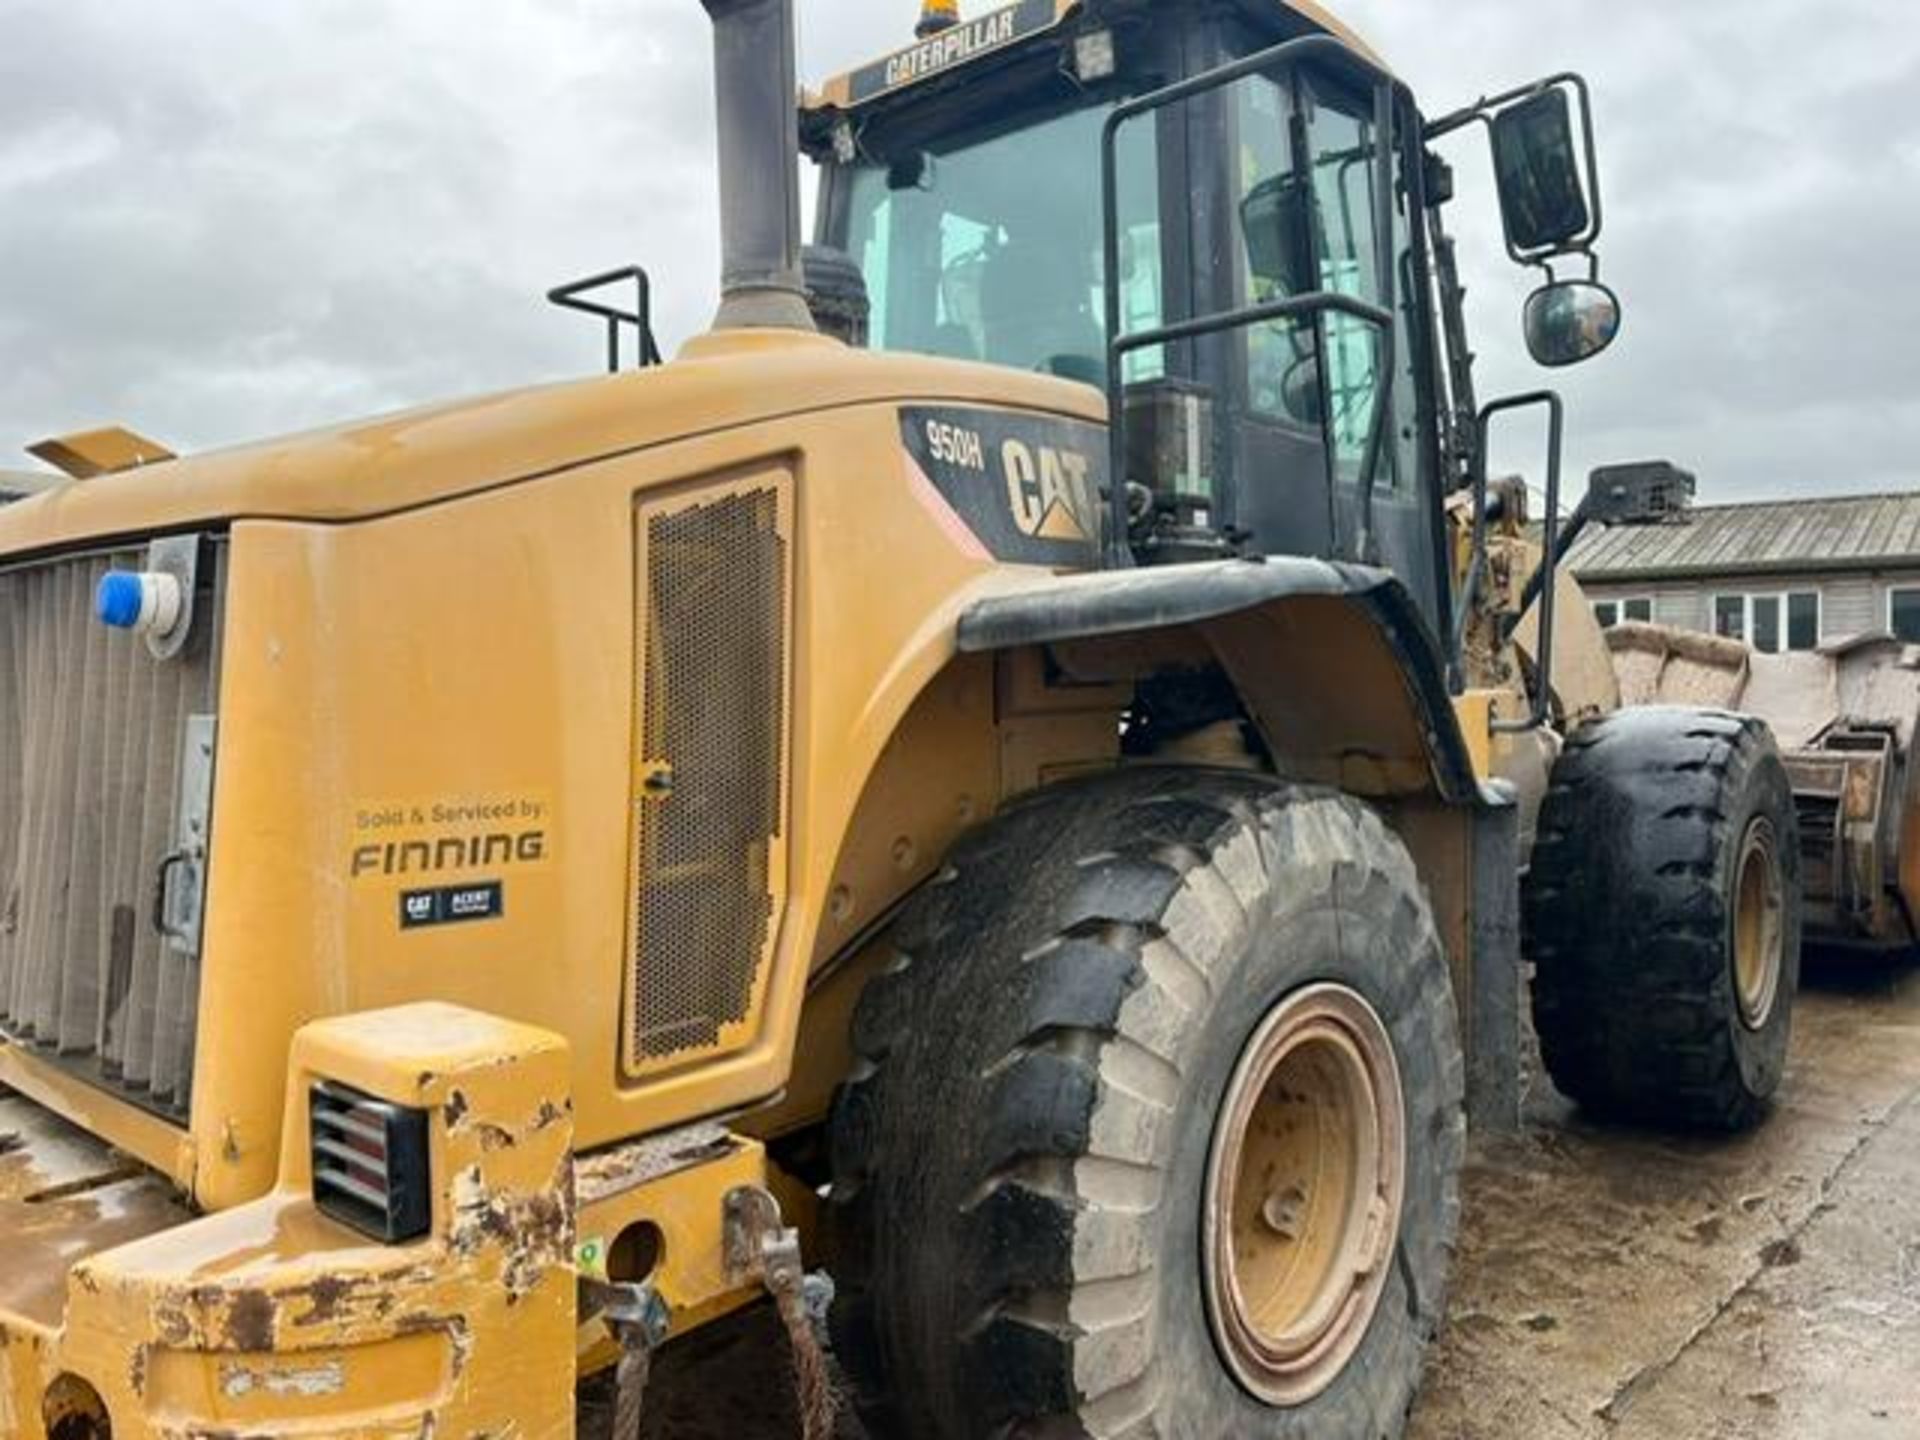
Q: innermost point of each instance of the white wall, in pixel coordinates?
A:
(1685, 608)
(1849, 604)
(1852, 606)
(1681, 605)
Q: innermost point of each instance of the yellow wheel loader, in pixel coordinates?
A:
(1031, 812)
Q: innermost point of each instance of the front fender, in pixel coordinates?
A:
(1333, 661)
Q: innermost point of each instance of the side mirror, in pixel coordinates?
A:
(1568, 321)
(1274, 222)
(1543, 198)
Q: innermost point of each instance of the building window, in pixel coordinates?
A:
(1611, 612)
(1772, 623)
(1803, 620)
(1903, 612)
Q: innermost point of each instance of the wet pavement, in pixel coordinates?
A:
(1624, 1284)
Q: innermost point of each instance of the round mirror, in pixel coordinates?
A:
(1570, 320)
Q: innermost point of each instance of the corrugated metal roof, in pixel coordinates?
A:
(1838, 532)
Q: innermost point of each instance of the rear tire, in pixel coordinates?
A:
(1662, 912)
(1028, 1153)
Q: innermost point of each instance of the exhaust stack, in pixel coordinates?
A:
(754, 92)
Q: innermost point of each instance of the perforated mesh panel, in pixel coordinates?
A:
(712, 632)
(92, 730)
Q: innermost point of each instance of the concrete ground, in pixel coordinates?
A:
(1624, 1284)
(1621, 1284)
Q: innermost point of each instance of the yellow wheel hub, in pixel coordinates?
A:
(1758, 934)
(1304, 1189)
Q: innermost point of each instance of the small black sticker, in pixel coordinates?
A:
(450, 904)
(1030, 487)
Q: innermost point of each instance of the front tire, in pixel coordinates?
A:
(1662, 910)
(1157, 1124)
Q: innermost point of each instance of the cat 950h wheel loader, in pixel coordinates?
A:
(1026, 812)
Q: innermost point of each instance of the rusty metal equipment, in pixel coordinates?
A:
(1845, 717)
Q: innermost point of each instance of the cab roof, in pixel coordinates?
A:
(1007, 25)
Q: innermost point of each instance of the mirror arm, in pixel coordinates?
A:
(1544, 264)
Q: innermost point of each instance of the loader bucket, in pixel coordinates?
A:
(1845, 718)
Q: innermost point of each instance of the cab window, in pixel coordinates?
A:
(1334, 202)
(965, 255)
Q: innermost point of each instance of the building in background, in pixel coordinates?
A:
(1779, 574)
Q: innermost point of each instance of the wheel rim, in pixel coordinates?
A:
(1304, 1189)
(1758, 935)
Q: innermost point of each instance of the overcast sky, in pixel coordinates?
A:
(226, 219)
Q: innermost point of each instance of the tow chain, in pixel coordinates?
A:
(759, 1246)
(639, 1320)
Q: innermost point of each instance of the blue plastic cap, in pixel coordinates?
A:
(117, 602)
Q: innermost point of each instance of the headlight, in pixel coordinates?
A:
(369, 1162)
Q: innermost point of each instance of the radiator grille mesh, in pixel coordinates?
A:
(91, 734)
(713, 638)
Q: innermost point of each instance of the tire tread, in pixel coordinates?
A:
(1103, 988)
(1626, 920)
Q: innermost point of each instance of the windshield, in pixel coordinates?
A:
(992, 251)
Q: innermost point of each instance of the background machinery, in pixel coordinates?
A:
(1030, 813)
(1844, 716)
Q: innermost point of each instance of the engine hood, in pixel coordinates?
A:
(421, 457)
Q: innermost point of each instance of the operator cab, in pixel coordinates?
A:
(1283, 341)
(968, 193)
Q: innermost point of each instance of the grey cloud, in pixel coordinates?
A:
(227, 219)
(1758, 165)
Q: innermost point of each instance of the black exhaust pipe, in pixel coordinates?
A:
(755, 95)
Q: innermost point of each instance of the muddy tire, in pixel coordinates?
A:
(1662, 915)
(1094, 1027)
